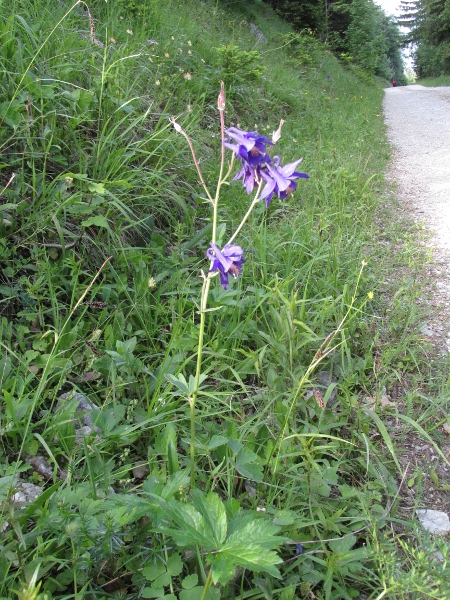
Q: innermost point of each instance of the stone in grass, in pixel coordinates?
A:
(434, 521)
(23, 493)
(84, 425)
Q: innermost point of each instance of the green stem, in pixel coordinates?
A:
(193, 399)
(247, 214)
(207, 585)
(220, 180)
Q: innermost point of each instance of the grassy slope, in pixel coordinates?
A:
(86, 131)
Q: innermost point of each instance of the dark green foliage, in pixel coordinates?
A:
(358, 31)
(429, 32)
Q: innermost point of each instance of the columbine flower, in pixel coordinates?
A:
(280, 180)
(250, 146)
(227, 261)
(250, 177)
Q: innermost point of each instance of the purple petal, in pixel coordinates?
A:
(281, 181)
(289, 169)
(215, 254)
(223, 279)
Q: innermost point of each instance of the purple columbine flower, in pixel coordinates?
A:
(250, 177)
(227, 261)
(250, 147)
(280, 180)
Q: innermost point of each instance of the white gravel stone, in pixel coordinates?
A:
(434, 521)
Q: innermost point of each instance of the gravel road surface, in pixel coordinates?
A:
(418, 122)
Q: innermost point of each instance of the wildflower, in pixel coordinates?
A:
(250, 147)
(189, 43)
(280, 180)
(227, 261)
(157, 82)
(166, 54)
(249, 175)
(129, 32)
(187, 76)
(151, 283)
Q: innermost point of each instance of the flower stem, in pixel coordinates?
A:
(193, 399)
(247, 214)
(207, 585)
(179, 129)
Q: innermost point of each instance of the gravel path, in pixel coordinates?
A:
(418, 122)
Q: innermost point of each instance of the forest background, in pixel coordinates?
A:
(165, 437)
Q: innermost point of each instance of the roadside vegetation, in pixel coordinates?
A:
(249, 447)
(442, 80)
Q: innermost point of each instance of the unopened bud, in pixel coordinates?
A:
(221, 97)
(277, 134)
(178, 128)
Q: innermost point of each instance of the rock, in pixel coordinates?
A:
(427, 331)
(84, 425)
(434, 521)
(25, 493)
(140, 471)
(257, 31)
(383, 402)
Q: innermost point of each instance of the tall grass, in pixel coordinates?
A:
(103, 232)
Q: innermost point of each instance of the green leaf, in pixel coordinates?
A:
(174, 565)
(249, 545)
(148, 592)
(385, 435)
(190, 581)
(174, 484)
(259, 531)
(162, 581)
(152, 572)
(97, 220)
(242, 554)
(216, 441)
(98, 188)
(343, 545)
(247, 464)
(213, 511)
(178, 381)
(193, 529)
(172, 458)
(196, 593)
(163, 440)
(284, 517)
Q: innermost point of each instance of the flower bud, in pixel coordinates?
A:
(221, 97)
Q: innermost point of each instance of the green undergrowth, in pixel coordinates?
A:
(103, 233)
(442, 80)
